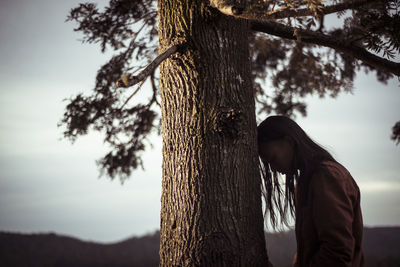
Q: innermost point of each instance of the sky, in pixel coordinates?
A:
(48, 184)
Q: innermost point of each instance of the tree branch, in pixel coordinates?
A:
(128, 80)
(284, 12)
(318, 38)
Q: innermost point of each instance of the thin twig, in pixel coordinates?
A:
(153, 85)
(134, 93)
(276, 11)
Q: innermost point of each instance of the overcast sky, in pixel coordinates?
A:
(49, 185)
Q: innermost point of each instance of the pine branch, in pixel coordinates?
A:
(128, 80)
(396, 133)
(318, 38)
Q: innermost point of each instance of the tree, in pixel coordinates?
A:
(216, 58)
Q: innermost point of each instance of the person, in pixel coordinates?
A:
(317, 191)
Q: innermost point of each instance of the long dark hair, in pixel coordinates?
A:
(280, 199)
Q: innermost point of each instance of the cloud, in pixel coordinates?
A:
(379, 186)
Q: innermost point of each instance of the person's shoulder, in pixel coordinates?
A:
(334, 168)
(333, 171)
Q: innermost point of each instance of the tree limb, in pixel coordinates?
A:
(318, 38)
(128, 80)
(283, 12)
(286, 13)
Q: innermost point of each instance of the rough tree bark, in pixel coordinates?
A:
(211, 202)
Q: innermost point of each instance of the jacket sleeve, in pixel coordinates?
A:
(332, 209)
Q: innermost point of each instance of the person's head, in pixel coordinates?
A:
(284, 147)
(278, 153)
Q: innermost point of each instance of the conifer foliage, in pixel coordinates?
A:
(298, 48)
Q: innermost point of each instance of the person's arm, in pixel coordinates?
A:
(333, 216)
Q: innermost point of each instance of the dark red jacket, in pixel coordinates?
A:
(329, 223)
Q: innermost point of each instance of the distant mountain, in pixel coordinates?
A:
(381, 247)
(50, 250)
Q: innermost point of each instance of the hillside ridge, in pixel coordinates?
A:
(381, 248)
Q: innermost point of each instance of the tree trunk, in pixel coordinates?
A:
(211, 201)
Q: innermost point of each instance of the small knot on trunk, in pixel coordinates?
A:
(227, 122)
(236, 10)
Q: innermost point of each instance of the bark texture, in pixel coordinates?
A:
(211, 202)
